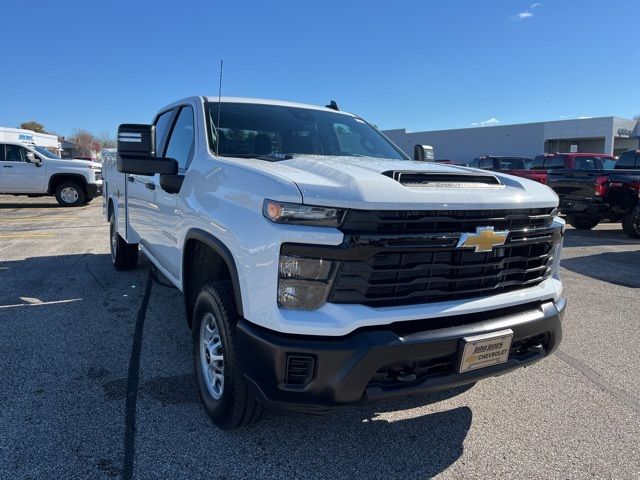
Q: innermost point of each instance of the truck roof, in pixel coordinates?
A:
(265, 101)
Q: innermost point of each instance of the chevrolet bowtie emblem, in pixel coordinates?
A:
(483, 240)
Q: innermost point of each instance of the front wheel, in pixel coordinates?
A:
(223, 390)
(124, 256)
(70, 194)
(582, 222)
(631, 223)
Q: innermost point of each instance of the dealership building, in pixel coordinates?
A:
(610, 135)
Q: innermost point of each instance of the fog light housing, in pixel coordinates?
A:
(304, 283)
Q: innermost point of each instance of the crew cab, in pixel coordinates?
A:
(518, 166)
(27, 169)
(569, 161)
(321, 267)
(590, 196)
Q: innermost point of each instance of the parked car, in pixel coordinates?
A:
(589, 196)
(569, 161)
(321, 266)
(35, 171)
(510, 165)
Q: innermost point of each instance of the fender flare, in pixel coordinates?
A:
(221, 249)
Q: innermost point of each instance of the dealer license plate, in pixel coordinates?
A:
(485, 350)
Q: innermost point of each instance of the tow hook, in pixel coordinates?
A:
(406, 376)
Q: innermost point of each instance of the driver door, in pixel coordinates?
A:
(18, 175)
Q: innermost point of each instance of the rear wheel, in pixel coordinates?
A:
(124, 256)
(582, 222)
(70, 194)
(223, 389)
(631, 223)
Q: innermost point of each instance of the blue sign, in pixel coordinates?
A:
(25, 136)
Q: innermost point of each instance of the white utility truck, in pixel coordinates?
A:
(29, 169)
(322, 267)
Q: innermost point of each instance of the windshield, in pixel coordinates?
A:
(45, 152)
(273, 131)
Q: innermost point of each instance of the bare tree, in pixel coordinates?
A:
(106, 140)
(33, 126)
(636, 118)
(86, 143)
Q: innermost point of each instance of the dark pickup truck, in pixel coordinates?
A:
(589, 196)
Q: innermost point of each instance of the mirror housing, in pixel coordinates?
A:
(423, 153)
(137, 151)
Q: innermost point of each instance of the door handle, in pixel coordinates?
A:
(7, 166)
(131, 179)
(150, 185)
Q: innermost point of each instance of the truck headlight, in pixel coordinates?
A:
(298, 214)
(304, 283)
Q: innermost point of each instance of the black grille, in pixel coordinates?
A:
(401, 278)
(449, 221)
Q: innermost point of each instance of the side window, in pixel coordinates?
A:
(1, 152)
(182, 138)
(15, 153)
(474, 163)
(486, 163)
(162, 129)
(538, 163)
(626, 160)
(554, 162)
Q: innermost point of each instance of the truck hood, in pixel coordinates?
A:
(366, 183)
(73, 162)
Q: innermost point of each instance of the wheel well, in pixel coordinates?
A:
(201, 264)
(56, 180)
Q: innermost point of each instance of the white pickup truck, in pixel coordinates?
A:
(27, 169)
(322, 267)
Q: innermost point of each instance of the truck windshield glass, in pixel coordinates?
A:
(43, 151)
(274, 132)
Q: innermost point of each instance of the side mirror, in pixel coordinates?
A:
(423, 153)
(137, 151)
(33, 158)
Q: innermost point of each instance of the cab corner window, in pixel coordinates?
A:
(181, 141)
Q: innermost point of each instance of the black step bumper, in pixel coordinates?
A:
(365, 365)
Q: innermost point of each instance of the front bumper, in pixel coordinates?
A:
(381, 363)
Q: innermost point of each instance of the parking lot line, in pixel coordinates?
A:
(31, 219)
(40, 304)
(8, 236)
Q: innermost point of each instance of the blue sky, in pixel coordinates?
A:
(414, 64)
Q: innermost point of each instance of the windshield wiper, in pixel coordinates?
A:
(271, 157)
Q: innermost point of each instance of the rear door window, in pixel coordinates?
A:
(554, 162)
(15, 153)
(1, 152)
(588, 163)
(627, 160)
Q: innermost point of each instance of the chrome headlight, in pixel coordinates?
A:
(298, 214)
(304, 283)
(557, 251)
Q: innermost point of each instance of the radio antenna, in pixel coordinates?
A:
(219, 108)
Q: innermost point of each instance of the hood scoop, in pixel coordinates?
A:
(443, 180)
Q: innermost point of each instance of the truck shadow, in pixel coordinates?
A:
(618, 268)
(591, 238)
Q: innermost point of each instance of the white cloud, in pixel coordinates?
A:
(523, 15)
(528, 13)
(486, 123)
(583, 118)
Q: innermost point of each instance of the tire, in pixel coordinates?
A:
(88, 200)
(124, 256)
(582, 222)
(226, 397)
(70, 194)
(631, 223)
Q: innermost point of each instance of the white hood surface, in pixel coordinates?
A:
(358, 182)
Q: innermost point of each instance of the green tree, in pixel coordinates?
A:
(33, 126)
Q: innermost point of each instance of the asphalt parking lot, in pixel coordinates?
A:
(84, 394)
